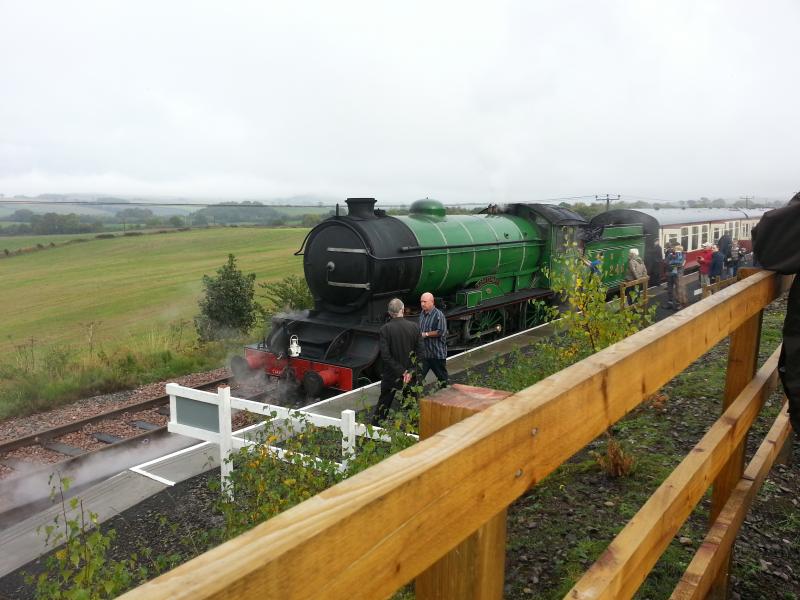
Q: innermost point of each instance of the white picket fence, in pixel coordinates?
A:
(207, 416)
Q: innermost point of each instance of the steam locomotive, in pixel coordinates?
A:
(488, 272)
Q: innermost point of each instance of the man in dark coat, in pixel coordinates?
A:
(717, 265)
(725, 244)
(401, 353)
(775, 244)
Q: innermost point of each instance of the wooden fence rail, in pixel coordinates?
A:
(374, 532)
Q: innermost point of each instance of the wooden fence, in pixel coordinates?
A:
(715, 287)
(640, 285)
(371, 534)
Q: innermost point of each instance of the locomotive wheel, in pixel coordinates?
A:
(535, 313)
(339, 344)
(486, 325)
(313, 384)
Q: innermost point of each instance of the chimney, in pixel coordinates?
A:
(361, 208)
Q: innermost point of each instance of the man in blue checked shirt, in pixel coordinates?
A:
(433, 329)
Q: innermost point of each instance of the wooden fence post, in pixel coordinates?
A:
(475, 569)
(742, 366)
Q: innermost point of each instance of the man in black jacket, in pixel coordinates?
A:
(401, 353)
(775, 245)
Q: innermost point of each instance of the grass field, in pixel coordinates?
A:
(13, 242)
(130, 285)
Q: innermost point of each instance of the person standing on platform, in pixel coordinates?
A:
(433, 331)
(775, 245)
(725, 244)
(736, 257)
(401, 347)
(636, 270)
(704, 260)
(675, 260)
(658, 263)
(717, 264)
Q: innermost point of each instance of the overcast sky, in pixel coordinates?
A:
(461, 101)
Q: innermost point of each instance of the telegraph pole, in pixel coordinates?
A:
(608, 200)
(746, 200)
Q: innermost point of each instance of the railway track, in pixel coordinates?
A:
(49, 438)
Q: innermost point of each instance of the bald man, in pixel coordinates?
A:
(433, 329)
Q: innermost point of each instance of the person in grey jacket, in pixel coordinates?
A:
(636, 270)
(401, 353)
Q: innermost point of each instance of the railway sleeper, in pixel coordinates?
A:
(106, 438)
(62, 448)
(146, 426)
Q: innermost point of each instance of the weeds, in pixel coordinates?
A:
(615, 461)
(264, 482)
(38, 378)
(80, 568)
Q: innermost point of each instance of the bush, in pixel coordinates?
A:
(290, 293)
(263, 484)
(228, 308)
(615, 461)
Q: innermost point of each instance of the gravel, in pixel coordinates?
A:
(88, 407)
(21, 426)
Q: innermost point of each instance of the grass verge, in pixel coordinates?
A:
(38, 378)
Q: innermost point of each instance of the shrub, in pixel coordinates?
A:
(289, 294)
(263, 485)
(105, 236)
(81, 569)
(615, 461)
(590, 323)
(227, 308)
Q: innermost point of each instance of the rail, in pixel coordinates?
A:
(374, 532)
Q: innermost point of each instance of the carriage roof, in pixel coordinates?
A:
(684, 216)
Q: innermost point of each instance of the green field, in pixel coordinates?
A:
(13, 242)
(130, 285)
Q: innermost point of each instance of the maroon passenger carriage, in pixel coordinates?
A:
(691, 227)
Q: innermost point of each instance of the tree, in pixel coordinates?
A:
(310, 220)
(22, 215)
(590, 323)
(176, 221)
(135, 215)
(228, 307)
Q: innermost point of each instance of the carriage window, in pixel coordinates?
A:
(685, 237)
(736, 231)
(704, 236)
(695, 238)
(716, 234)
